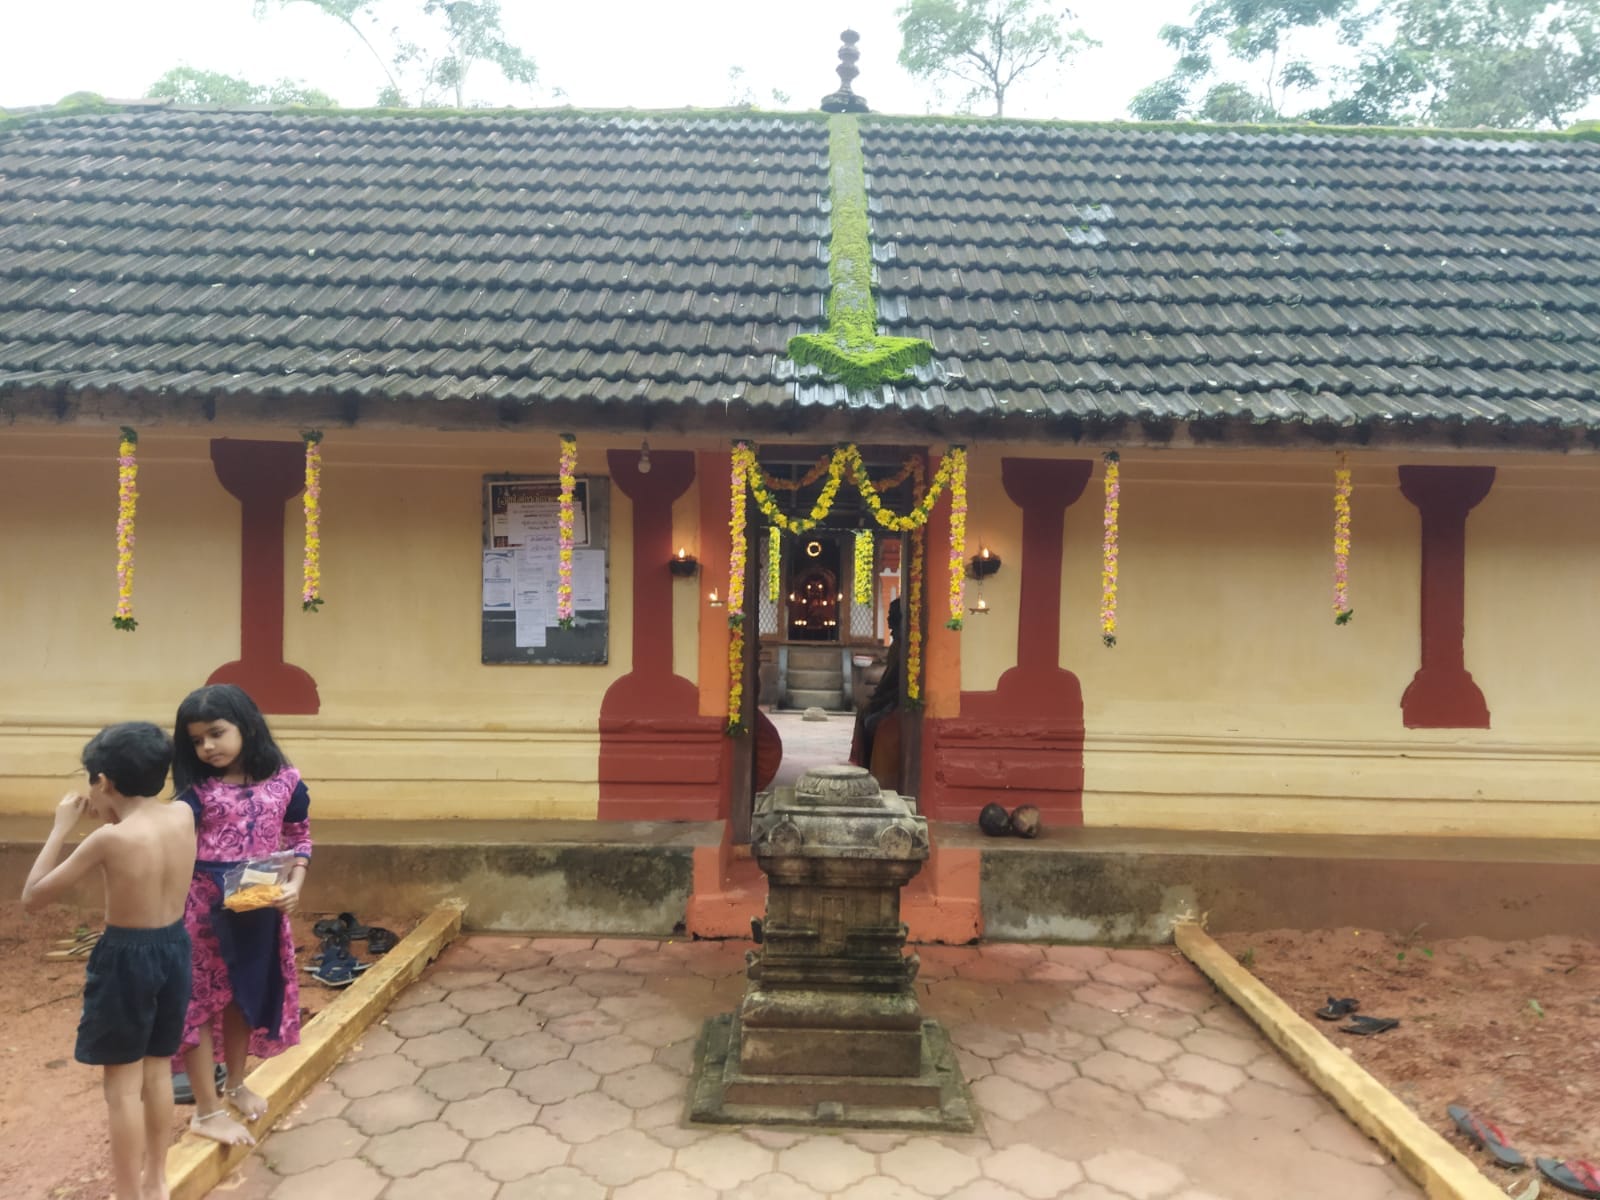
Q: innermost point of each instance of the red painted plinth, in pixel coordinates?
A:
(263, 477)
(1023, 742)
(659, 760)
(1442, 694)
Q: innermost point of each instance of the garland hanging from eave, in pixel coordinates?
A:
(311, 582)
(1109, 549)
(127, 510)
(1342, 612)
(568, 469)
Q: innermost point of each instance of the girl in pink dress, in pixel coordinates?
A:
(248, 802)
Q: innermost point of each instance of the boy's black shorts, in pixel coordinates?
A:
(135, 995)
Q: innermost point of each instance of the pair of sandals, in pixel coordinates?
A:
(1343, 1009)
(336, 966)
(1574, 1175)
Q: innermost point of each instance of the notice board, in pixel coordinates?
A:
(521, 564)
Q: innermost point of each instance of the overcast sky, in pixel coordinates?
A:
(599, 53)
(590, 53)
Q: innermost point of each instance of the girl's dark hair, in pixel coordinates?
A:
(260, 757)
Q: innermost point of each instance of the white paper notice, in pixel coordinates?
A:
(530, 629)
(499, 581)
(589, 580)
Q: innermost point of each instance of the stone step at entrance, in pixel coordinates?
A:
(831, 700)
(815, 658)
(816, 681)
(815, 677)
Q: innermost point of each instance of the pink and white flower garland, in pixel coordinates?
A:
(127, 506)
(1342, 612)
(569, 483)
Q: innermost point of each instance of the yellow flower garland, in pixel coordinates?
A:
(862, 574)
(958, 535)
(744, 465)
(311, 585)
(819, 510)
(1342, 612)
(567, 468)
(127, 508)
(920, 511)
(1108, 550)
(774, 562)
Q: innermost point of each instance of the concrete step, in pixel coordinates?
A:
(817, 681)
(814, 658)
(833, 700)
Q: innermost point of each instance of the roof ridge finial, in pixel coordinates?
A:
(844, 100)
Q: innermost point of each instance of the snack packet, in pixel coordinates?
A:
(256, 882)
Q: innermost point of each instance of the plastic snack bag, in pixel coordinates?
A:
(256, 882)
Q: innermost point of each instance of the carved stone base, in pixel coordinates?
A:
(720, 1093)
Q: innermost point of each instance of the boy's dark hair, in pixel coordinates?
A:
(134, 756)
(260, 758)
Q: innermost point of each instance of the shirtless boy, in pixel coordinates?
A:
(138, 978)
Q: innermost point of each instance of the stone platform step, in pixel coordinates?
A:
(816, 681)
(815, 658)
(832, 700)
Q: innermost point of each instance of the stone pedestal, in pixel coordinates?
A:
(829, 1030)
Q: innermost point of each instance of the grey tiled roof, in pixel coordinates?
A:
(1068, 274)
(521, 259)
(1089, 272)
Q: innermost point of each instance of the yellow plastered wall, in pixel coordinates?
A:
(412, 726)
(1233, 702)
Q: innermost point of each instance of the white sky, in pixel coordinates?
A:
(591, 53)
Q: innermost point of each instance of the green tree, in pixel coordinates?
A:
(985, 45)
(1506, 64)
(429, 66)
(189, 85)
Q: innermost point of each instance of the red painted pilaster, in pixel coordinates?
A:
(659, 759)
(1442, 694)
(1023, 742)
(263, 477)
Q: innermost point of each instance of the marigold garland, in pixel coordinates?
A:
(920, 510)
(861, 575)
(311, 584)
(958, 535)
(743, 462)
(824, 503)
(569, 483)
(127, 506)
(774, 562)
(1108, 550)
(1342, 612)
(912, 616)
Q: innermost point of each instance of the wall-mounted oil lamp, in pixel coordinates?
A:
(712, 599)
(984, 563)
(683, 564)
(980, 609)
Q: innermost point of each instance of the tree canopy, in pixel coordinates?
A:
(984, 45)
(1505, 64)
(189, 85)
(428, 66)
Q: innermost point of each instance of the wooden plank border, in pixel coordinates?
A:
(196, 1164)
(1442, 1171)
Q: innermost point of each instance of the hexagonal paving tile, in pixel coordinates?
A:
(1121, 975)
(1035, 1068)
(929, 1167)
(425, 1018)
(348, 1179)
(581, 1027)
(394, 1109)
(373, 1075)
(1184, 999)
(528, 1050)
(663, 1029)
(455, 1180)
(607, 983)
(1121, 1072)
(485, 998)
(1137, 1175)
(1084, 1019)
(558, 1002)
(1160, 1020)
(828, 1164)
(642, 1086)
(518, 1153)
(558, 1183)
(465, 1079)
(880, 1188)
(378, 1039)
(407, 1151)
(1206, 1073)
(778, 1187)
(536, 980)
(1183, 1102)
(418, 994)
(553, 1082)
(313, 1145)
(664, 1185)
(622, 1157)
(1103, 995)
(1031, 1171)
(435, 1049)
(579, 961)
(586, 1117)
(1141, 1044)
(459, 979)
(491, 1113)
(501, 1023)
(985, 1189)
(1006, 1098)
(1224, 1047)
(725, 1160)
(613, 1054)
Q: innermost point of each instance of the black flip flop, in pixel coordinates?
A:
(380, 940)
(1485, 1136)
(344, 923)
(1366, 1026)
(337, 969)
(1334, 1009)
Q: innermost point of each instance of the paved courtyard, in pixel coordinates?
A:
(557, 1068)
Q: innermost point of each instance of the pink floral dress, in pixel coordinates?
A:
(235, 822)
